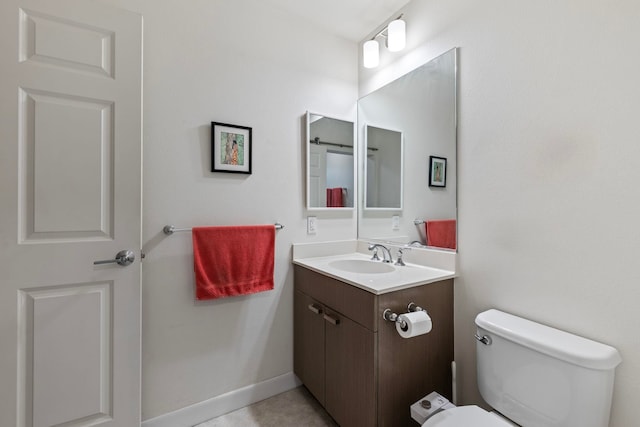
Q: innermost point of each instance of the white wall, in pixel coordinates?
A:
(244, 63)
(549, 166)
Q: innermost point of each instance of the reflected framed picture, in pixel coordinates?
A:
(230, 148)
(437, 171)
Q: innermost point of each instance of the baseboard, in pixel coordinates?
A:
(220, 405)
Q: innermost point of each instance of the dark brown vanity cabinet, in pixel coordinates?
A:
(334, 358)
(355, 363)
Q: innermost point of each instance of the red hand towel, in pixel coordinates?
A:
(441, 233)
(334, 198)
(231, 261)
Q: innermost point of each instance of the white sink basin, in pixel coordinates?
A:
(342, 261)
(362, 266)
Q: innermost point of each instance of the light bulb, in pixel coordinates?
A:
(396, 35)
(370, 54)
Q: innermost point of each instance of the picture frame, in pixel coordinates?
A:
(437, 171)
(230, 148)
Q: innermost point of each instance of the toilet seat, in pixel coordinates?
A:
(464, 416)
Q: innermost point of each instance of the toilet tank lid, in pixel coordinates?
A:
(553, 342)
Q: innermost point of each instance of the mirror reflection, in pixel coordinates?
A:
(330, 163)
(422, 104)
(383, 168)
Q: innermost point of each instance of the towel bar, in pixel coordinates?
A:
(418, 221)
(170, 229)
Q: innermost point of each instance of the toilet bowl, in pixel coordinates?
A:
(467, 416)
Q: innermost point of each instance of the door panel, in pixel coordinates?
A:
(65, 196)
(70, 174)
(66, 333)
(54, 40)
(317, 176)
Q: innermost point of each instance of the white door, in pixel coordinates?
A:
(317, 176)
(70, 175)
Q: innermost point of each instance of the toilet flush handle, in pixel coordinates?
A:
(485, 339)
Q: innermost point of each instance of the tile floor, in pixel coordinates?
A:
(294, 408)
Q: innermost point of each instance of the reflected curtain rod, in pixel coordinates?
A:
(317, 141)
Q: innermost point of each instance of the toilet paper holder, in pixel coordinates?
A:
(390, 316)
(412, 306)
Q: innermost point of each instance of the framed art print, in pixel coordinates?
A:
(230, 148)
(437, 171)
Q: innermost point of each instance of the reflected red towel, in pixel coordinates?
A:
(231, 261)
(334, 198)
(441, 233)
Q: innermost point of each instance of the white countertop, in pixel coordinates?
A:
(402, 277)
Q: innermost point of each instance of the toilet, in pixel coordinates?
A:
(536, 376)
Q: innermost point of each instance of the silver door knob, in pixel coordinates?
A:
(122, 258)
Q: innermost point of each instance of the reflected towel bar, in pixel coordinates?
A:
(418, 221)
(170, 229)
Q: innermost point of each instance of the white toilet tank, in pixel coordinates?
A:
(540, 376)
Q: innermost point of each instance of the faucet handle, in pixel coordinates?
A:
(401, 250)
(375, 256)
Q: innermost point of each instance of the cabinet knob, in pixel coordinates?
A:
(315, 308)
(331, 319)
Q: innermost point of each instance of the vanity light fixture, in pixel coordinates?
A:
(396, 38)
(370, 54)
(395, 35)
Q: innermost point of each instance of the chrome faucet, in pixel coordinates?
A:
(386, 254)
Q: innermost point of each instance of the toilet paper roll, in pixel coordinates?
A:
(416, 323)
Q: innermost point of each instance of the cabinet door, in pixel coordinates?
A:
(350, 395)
(308, 342)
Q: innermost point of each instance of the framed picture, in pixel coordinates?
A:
(437, 171)
(230, 148)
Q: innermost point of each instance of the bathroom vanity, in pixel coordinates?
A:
(352, 360)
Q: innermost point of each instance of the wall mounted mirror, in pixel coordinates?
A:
(422, 105)
(383, 169)
(331, 151)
